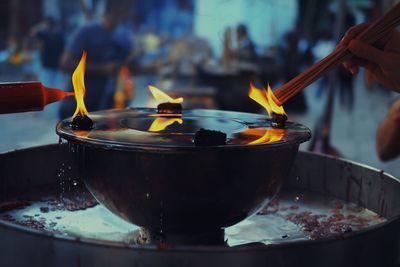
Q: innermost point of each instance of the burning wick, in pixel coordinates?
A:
(81, 120)
(205, 137)
(168, 104)
(169, 108)
(267, 100)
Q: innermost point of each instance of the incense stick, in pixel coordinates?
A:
(372, 34)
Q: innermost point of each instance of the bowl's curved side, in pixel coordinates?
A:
(187, 190)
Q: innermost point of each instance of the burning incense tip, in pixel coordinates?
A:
(169, 108)
(267, 99)
(278, 120)
(205, 137)
(80, 122)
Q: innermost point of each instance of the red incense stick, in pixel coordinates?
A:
(28, 96)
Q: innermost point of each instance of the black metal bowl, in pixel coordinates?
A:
(162, 181)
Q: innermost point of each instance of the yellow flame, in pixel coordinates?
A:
(163, 97)
(267, 99)
(79, 86)
(160, 124)
(270, 135)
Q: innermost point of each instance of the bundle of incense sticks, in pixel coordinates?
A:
(372, 34)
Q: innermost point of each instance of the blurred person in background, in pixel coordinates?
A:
(30, 60)
(22, 58)
(51, 39)
(382, 64)
(178, 19)
(245, 47)
(108, 46)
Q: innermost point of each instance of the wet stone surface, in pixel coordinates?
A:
(38, 213)
(291, 217)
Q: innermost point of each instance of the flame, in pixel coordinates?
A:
(271, 135)
(163, 97)
(79, 86)
(267, 99)
(160, 124)
(83, 134)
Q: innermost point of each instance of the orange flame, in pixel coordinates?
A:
(267, 99)
(163, 97)
(160, 124)
(271, 135)
(79, 86)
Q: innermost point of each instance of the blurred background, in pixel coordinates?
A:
(204, 50)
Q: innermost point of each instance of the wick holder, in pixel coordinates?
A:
(80, 122)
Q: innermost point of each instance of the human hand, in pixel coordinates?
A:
(381, 61)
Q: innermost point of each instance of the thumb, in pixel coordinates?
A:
(366, 51)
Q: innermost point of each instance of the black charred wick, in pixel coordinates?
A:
(278, 120)
(169, 108)
(205, 137)
(80, 122)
